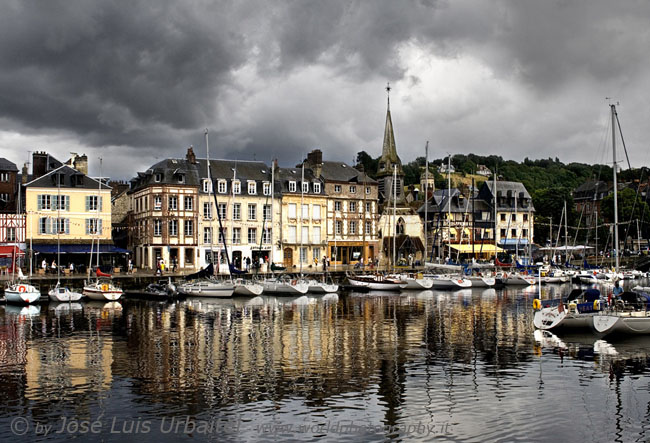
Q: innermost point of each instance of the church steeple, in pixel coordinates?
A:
(389, 155)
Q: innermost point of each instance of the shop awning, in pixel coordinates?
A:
(10, 251)
(79, 249)
(478, 249)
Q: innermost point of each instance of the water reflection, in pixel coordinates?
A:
(430, 357)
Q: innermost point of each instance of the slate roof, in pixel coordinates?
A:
(444, 200)
(6, 165)
(71, 179)
(284, 175)
(506, 190)
(341, 172)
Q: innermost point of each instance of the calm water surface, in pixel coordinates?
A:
(454, 366)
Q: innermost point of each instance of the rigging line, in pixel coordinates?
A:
(622, 141)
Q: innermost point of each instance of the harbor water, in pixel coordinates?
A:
(451, 366)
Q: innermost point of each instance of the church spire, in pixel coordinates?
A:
(389, 155)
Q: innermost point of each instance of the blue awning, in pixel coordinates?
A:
(79, 249)
(514, 241)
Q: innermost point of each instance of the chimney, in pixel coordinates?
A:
(80, 163)
(39, 164)
(190, 157)
(24, 177)
(315, 162)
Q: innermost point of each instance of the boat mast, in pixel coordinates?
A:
(207, 167)
(394, 214)
(232, 217)
(302, 196)
(58, 230)
(272, 211)
(494, 194)
(566, 234)
(426, 199)
(99, 190)
(613, 108)
(449, 205)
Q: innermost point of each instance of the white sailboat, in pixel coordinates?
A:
(60, 293)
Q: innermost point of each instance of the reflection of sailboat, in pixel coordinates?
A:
(23, 311)
(64, 307)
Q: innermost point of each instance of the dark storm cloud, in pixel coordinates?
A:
(151, 74)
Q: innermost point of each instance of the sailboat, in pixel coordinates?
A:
(201, 283)
(20, 292)
(60, 293)
(102, 288)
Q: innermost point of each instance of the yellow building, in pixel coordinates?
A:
(66, 207)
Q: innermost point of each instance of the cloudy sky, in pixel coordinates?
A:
(138, 81)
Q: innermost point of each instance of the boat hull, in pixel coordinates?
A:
(418, 283)
(284, 288)
(248, 289)
(64, 295)
(24, 297)
(323, 288)
(550, 319)
(482, 282)
(207, 289)
(624, 323)
(451, 283)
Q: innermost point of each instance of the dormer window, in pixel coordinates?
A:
(236, 187)
(181, 178)
(158, 177)
(252, 188)
(266, 187)
(317, 188)
(305, 186)
(207, 186)
(292, 186)
(221, 186)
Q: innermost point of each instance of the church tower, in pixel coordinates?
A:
(390, 164)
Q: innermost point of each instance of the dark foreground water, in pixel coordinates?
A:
(452, 366)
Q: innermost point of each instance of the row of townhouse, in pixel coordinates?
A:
(287, 216)
(466, 224)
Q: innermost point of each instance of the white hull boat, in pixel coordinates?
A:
(577, 313)
(520, 280)
(378, 283)
(207, 288)
(248, 288)
(415, 281)
(623, 323)
(449, 282)
(103, 291)
(63, 294)
(287, 287)
(316, 287)
(481, 282)
(22, 293)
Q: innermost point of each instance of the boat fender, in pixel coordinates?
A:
(104, 287)
(460, 280)
(293, 282)
(573, 307)
(22, 288)
(596, 305)
(537, 304)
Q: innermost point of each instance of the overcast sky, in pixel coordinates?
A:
(135, 82)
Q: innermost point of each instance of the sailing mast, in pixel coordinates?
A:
(449, 206)
(613, 108)
(394, 214)
(494, 194)
(426, 199)
(302, 196)
(207, 166)
(99, 196)
(58, 230)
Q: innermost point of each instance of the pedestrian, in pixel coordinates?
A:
(130, 267)
(324, 263)
(44, 265)
(53, 267)
(175, 264)
(71, 268)
(248, 264)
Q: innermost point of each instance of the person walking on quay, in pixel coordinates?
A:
(248, 264)
(44, 266)
(53, 267)
(130, 267)
(71, 267)
(324, 263)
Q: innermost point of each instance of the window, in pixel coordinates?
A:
(337, 205)
(266, 212)
(368, 207)
(524, 233)
(252, 188)
(291, 234)
(368, 189)
(317, 188)
(221, 186)
(353, 207)
(514, 233)
(292, 186)
(337, 188)
(42, 225)
(207, 210)
(304, 234)
(368, 228)
(503, 217)
(188, 204)
(4, 177)
(514, 217)
(207, 235)
(503, 233)
(44, 202)
(93, 203)
(157, 228)
(353, 228)
(526, 217)
(222, 234)
(236, 236)
(338, 227)
(173, 228)
(11, 234)
(158, 177)
(316, 212)
(236, 211)
(62, 226)
(4, 197)
(292, 210)
(236, 187)
(189, 256)
(252, 235)
(181, 178)
(266, 236)
(303, 255)
(315, 235)
(252, 211)
(315, 253)
(172, 203)
(189, 228)
(221, 211)
(157, 202)
(207, 186)
(266, 188)
(305, 187)
(305, 212)
(93, 226)
(353, 189)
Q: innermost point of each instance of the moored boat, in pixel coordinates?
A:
(102, 289)
(285, 286)
(248, 287)
(576, 311)
(63, 294)
(22, 293)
